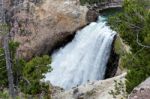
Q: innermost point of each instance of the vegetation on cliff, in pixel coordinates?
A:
(133, 25)
(26, 75)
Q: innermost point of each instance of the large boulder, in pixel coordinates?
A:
(96, 90)
(92, 16)
(40, 27)
(142, 91)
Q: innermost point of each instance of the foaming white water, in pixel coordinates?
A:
(85, 58)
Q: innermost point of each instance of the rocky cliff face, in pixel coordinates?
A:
(41, 25)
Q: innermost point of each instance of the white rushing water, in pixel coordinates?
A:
(84, 58)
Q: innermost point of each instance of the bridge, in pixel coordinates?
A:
(106, 5)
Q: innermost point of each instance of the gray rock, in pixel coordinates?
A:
(98, 90)
(142, 91)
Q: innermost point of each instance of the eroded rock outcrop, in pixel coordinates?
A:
(93, 90)
(142, 91)
(39, 28)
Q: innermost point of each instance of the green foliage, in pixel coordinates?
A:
(133, 26)
(118, 46)
(4, 95)
(18, 64)
(33, 73)
(134, 19)
(12, 47)
(3, 72)
(34, 68)
(26, 74)
(4, 28)
(134, 77)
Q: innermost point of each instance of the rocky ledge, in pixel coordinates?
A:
(94, 90)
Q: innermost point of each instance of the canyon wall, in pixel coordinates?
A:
(40, 26)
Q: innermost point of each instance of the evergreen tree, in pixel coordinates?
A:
(33, 73)
(133, 26)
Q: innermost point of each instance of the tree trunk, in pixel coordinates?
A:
(9, 68)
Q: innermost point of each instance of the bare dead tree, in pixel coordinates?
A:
(7, 51)
(9, 67)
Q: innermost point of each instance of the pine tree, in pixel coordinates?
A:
(133, 26)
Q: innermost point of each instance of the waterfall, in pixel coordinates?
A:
(84, 58)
